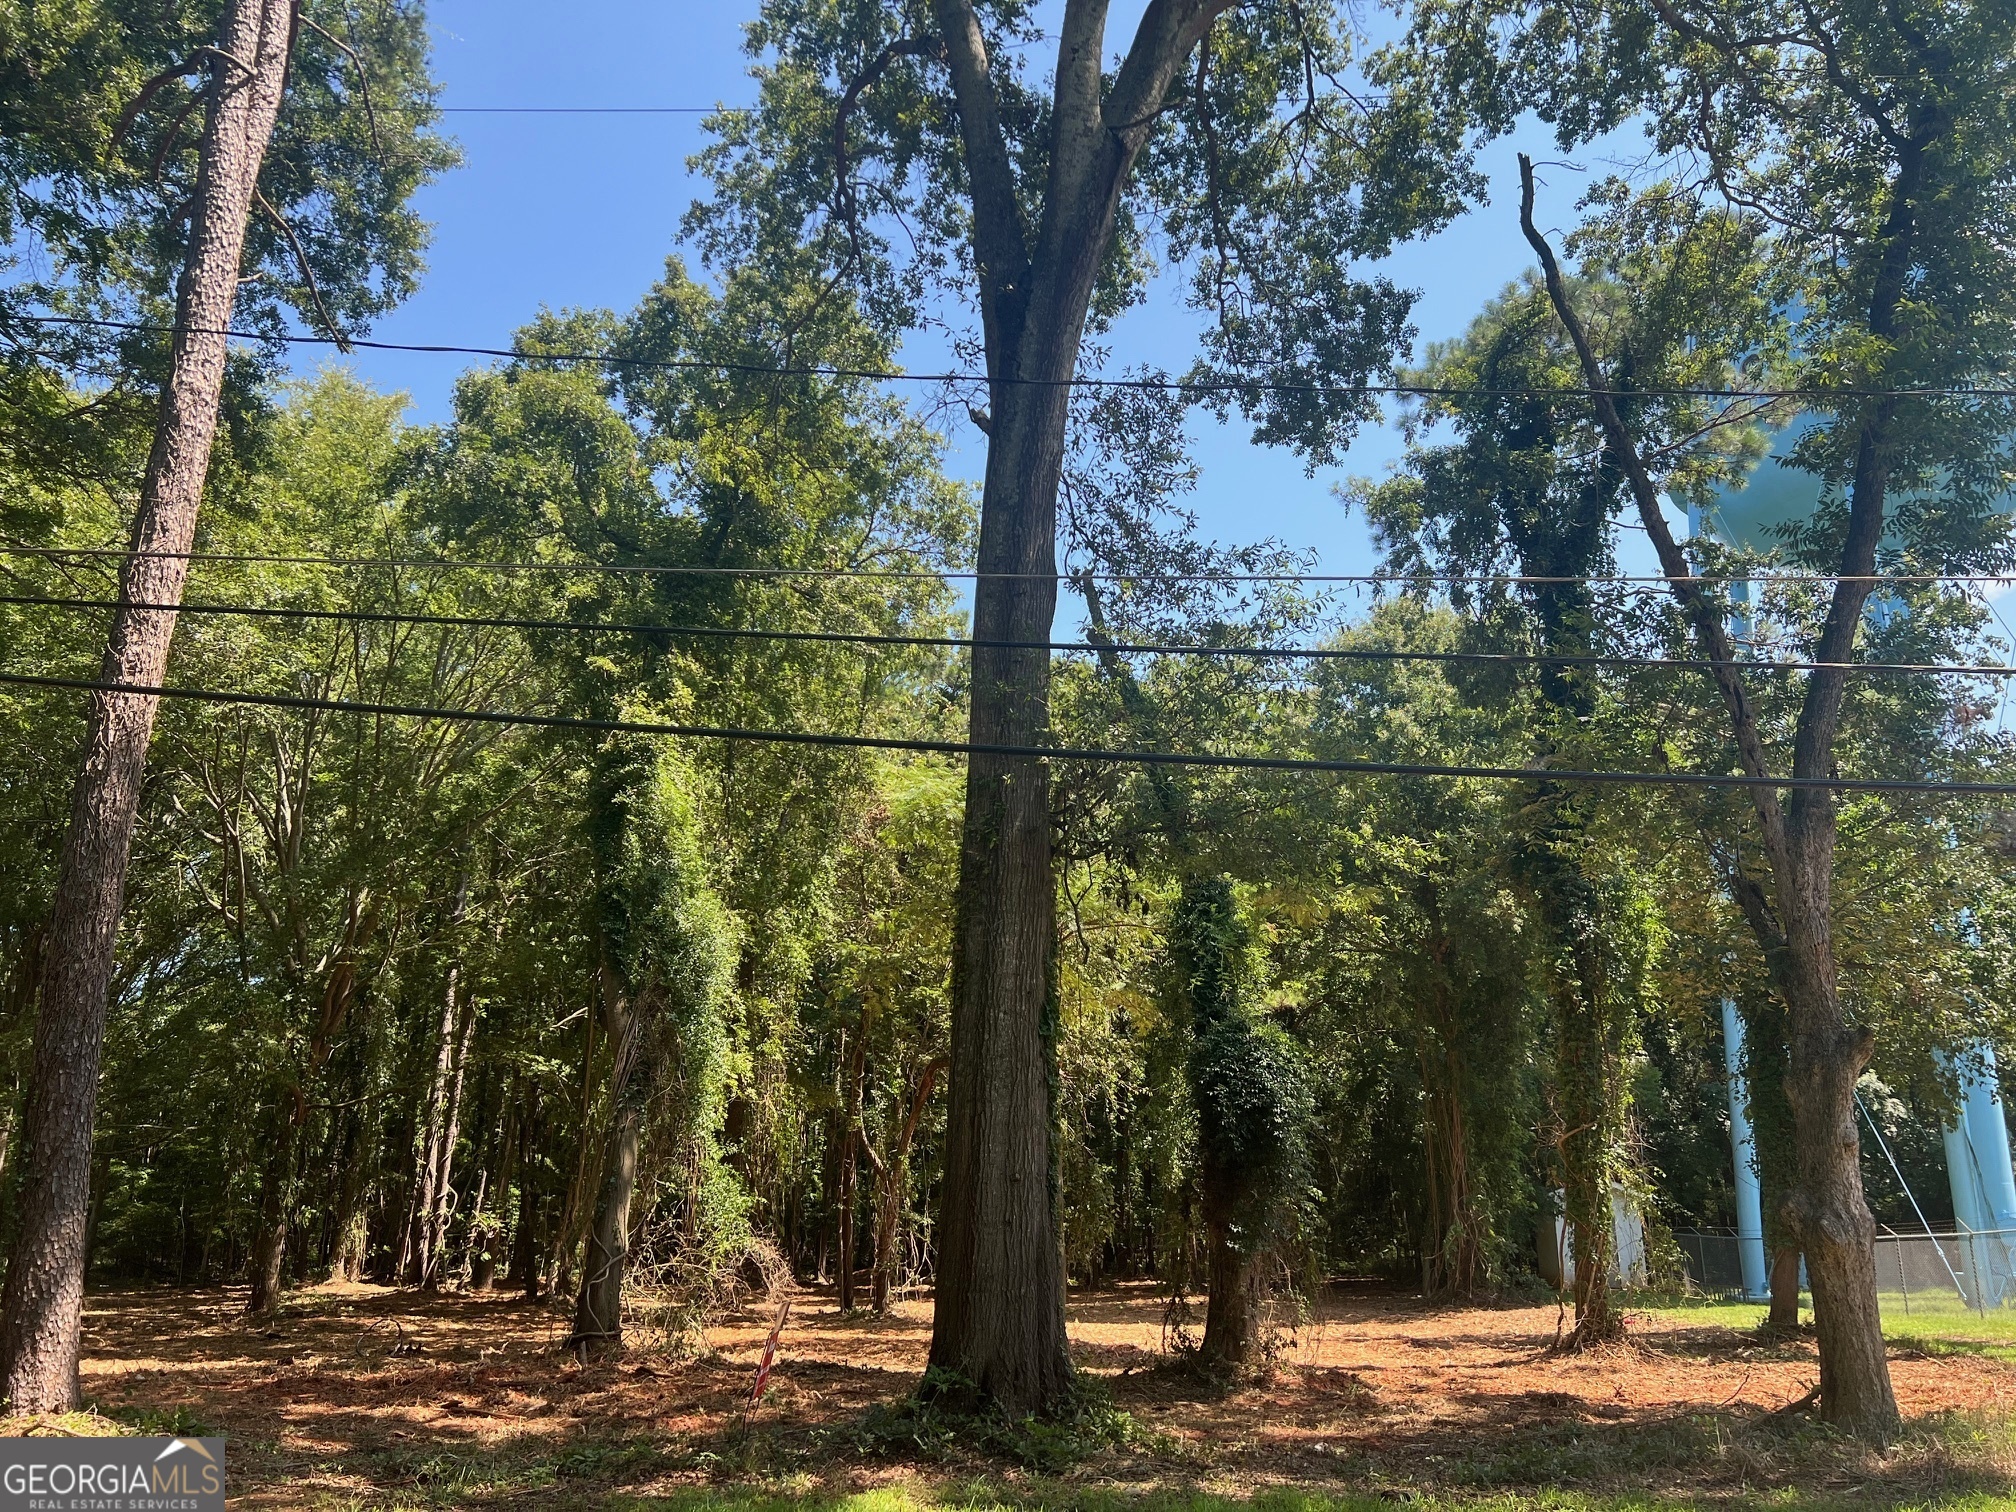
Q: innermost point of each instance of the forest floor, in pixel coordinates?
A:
(359, 1396)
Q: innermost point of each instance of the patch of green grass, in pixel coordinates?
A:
(158, 1422)
(1931, 1319)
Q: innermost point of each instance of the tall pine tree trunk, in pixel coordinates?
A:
(45, 1279)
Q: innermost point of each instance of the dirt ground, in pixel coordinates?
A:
(367, 1396)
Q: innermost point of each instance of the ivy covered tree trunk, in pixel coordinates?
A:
(1248, 1087)
(667, 963)
(45, 1277)
(1592, 1026)
(598, 1308)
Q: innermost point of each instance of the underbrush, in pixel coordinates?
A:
(929, 1426)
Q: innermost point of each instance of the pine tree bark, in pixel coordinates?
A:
(45, 1279)
(999, 1322)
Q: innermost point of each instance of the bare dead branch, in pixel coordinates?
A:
(363, 77)
(307, 273)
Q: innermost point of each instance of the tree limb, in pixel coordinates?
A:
(307, 273)
(153, 86)
(1000, 240)
(363, 79)
(1168, 30)
(1705, 617)
(147, 92)
(170, 138)
(846, 209)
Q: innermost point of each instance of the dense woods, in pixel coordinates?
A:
(639, 997)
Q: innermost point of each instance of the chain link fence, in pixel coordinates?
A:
(1916, 1274)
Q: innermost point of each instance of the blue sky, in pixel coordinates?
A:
(581, 210)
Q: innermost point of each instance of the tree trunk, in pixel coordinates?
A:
(1237, 1294)
(893, 1186)
(850, 1165)
(269, 1248)
(415, 1256)
(346, 1254)
(45, 1281)
(482, 1264)
(435, 1227)
(1784, 1316)
(598, 1312)
(999, 1321)
(1000, 1316)
(487, 1242)
(1452, 1260)
(1827, 1211)
(568, 1234)
(1587, 1078)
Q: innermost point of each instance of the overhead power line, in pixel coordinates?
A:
(1152, 385)
(968, 643)
(1052, 753)
(901, 575)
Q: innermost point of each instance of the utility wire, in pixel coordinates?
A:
(967, 643)
(905, 575)
(1055, 753)
(1153, 385)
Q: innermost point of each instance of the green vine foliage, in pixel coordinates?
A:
(1248, 1080)
(672, 947)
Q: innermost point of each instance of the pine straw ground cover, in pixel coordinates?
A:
(369, 1397)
